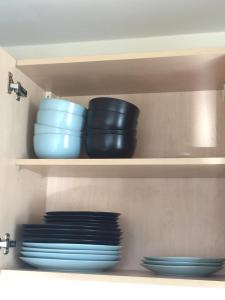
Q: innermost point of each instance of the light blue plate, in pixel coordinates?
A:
(185, 259)
(194, 271)
(69, 265)
(180, 263)
(70, 256)
(71, 246)
(52, 250)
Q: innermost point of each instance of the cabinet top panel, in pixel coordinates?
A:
(172, 71)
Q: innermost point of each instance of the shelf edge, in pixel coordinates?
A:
(131, 277)
(123, 162)
(123, 56)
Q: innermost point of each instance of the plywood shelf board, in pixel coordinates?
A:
(130, 168)
(122, 56)
(132, 277)
(129, 73)
(124, 161)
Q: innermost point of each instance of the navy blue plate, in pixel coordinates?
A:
(83, 213)
(84, 217)
(81, 222)
(73, 225)
(71, 241)
(66, 235)
(70, 231)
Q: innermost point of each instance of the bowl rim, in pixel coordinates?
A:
(58, 128)
(38, 134)
(129, 113)
(120, 101)
(62, 100)
(75, 115)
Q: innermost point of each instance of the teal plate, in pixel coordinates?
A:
(185, 259)
(52, 250)
(180, 263)
(68, 265)
(71, 246)
(194, 271)
(94, 257)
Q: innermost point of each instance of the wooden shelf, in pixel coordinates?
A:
(127, 168)
(132, 277)
(129, 73)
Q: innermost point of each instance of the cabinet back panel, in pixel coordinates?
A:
(22, 193)
(181, 124)
(158, 216)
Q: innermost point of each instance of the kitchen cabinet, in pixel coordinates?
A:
(170, 195)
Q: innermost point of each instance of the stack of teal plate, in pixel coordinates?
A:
(182, 266)
(73, 241)
(70, 257)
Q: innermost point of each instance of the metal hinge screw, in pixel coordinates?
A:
(16, 88)
(6, 243)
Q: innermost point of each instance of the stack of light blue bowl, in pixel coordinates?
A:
(59, 129)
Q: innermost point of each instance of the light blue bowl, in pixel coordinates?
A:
(60, 119)
(62, 105)
(42, 129)
(57, 146)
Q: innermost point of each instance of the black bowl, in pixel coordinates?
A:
(110, 145)
(102, 119)
(114, 104)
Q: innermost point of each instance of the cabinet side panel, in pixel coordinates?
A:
(22, 193)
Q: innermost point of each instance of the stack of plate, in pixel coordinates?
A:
(73, 241)
(183, 266)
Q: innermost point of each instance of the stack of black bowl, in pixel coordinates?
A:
(111, 128)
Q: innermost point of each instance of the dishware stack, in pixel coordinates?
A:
(73, 241)
(111, 128)
(59, 129)
(183, 266)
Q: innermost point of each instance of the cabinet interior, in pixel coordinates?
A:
(184, 70)
(177, 124)
(176, 216)
(159, 216)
